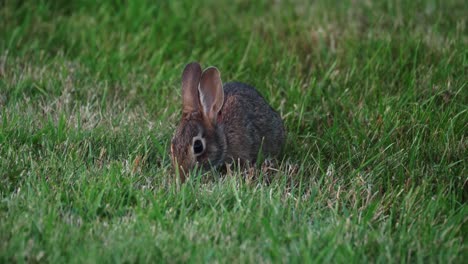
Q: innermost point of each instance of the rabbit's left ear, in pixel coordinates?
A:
(211, 93)
(190, 81)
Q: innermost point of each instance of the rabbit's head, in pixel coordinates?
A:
(199, 139)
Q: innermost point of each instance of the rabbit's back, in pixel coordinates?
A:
(250, 124)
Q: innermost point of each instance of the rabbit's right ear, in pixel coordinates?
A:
(190, 81)
(211, 93)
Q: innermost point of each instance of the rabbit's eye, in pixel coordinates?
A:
(197, 147)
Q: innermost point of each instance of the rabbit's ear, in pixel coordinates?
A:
(211, 93)
(190, 81)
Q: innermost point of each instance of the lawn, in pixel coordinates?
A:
(373, 94)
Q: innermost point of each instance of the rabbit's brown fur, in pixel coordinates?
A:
(234, 122)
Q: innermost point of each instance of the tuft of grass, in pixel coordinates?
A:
(373, 94)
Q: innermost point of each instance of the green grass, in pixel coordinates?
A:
(373, 94)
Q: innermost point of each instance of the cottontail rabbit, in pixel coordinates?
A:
(222, 123)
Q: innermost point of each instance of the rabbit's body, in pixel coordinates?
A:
(250, 124)
(222, 124)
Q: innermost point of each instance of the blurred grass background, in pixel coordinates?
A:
(373, 94)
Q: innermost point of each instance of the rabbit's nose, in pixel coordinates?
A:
(182, 174)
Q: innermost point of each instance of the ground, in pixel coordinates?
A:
(373, 95)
